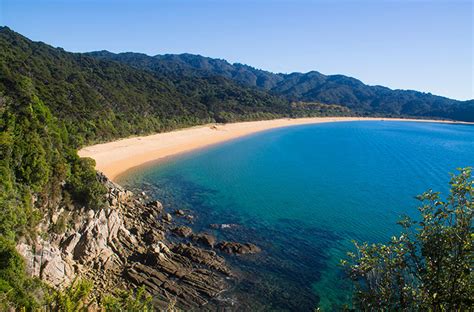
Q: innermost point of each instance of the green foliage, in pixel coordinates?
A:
(75, 298)
(128, 301)
(427, 267)
(16, 289)
(311, 109)
(83, 184)
(305, 87)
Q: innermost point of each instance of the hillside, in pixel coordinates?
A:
(310, 87)
(51, 103)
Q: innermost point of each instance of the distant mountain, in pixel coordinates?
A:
(101, 99)
(310, 87)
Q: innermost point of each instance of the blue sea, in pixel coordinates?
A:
(302, 194)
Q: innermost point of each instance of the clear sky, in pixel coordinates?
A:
(406, 44)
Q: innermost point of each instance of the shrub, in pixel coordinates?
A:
(427, 267)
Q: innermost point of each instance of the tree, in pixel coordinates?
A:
(427, 267)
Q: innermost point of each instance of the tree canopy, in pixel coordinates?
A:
(428, 266)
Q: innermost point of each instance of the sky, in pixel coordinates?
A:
(405, 44)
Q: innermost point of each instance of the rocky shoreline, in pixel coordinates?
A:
(132, 242)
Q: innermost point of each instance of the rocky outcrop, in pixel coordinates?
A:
(124, 245)
(45, 261)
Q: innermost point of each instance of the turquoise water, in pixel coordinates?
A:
(303, 193)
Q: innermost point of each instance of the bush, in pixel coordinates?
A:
(83, 184)
(75, 298)
(16, 289)
(128, 301)
(427, 267)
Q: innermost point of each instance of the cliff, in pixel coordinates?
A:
(125, 244)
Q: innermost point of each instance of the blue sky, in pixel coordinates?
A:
(422, 45)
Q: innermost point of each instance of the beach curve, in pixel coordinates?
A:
(117, 157)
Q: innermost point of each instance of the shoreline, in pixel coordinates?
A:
(117, 157)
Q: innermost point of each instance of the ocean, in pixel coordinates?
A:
(302, 194)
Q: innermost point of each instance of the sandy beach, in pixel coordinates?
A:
(117, 157)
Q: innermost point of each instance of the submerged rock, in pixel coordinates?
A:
(238, 248)
(179, 212)
(167, 217)
(183, 231)
(205, 239)
(155, 204)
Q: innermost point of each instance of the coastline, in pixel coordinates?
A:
(117, 157)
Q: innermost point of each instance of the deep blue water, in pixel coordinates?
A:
(303, 193)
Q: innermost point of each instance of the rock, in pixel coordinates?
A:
(100, 247)
(113, 201)
(183, 231)
(206, 257)
(153, 236)
(238, 248)
(179, 212)
(45, 261)
(167, 217)
(97, 238)
(163, 248)
(70, 243)
(155, 204)
(205, 239)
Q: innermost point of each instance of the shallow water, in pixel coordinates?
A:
(303, 193)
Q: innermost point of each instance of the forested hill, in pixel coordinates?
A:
(311, 86)
(53, 101)
(101, 99)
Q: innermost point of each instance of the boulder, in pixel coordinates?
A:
(179, 212)
(167, 217)
(155, 204)
(205, 239)
(153, 236)
(183, 231)
(70, 243)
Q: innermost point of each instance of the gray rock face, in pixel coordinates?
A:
(45, 261)
(124, 245)
(96, 240)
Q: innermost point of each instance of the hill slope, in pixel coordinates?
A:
(309, 87)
